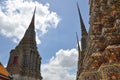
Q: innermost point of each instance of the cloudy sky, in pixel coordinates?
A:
(56, 23)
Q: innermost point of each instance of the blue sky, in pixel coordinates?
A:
(57, 41)
(64, 36)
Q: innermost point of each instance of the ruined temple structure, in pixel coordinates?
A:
(99, 57)
(25, 62)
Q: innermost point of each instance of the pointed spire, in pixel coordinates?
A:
(32, 24)
(29, 36)
(83, 29)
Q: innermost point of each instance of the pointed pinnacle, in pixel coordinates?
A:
(33, 18)
(32, 25)
(34, 12)
(83, 29)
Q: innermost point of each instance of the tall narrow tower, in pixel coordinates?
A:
(24, 62)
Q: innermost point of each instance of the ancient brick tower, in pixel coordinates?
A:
(25, 61)
(101, 60)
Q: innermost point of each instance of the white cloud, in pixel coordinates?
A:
(62, 66)
(15, 17)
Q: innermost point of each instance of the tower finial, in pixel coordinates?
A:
(83, 29)
(33, 19)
